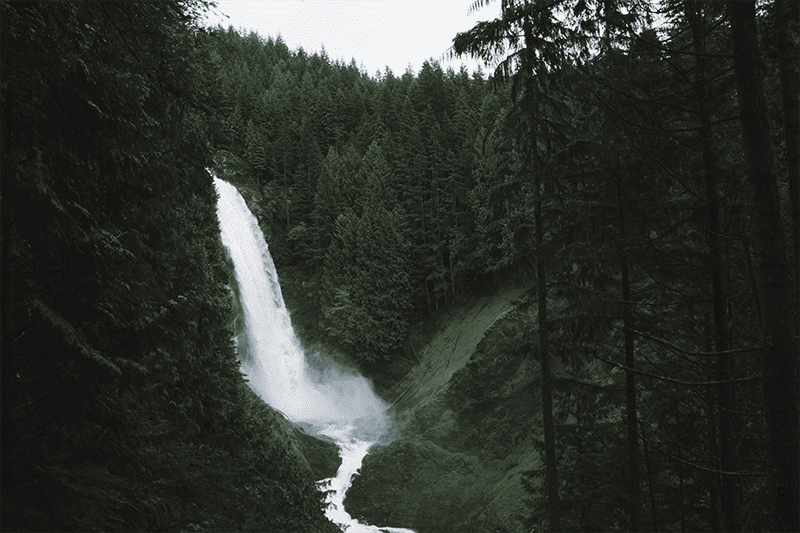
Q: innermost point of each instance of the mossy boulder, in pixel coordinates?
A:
(416, 484)
(320, 451)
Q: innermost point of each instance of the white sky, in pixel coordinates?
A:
(376, 33)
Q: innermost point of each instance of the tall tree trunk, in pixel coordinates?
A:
(731, 507)
(780, 360)
(530, 108)
(650, 482)
(714, 513)
(7, 421)
(788, 18)
(630, 375)
(551, 471)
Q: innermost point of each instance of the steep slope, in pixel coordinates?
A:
(468, 417)
(450, 348)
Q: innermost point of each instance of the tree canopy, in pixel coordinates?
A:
(634, 164)
(606, 158)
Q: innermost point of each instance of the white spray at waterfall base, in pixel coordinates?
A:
(338, 403)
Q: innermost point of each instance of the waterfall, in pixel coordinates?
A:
(338, 403)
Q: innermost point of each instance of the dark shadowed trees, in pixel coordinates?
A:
(774, 274)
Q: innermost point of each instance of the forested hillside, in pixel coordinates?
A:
(123, 408)
(635, 163)
(364, 185)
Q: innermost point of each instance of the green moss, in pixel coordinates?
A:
(459, 463)
(321, 453)
(417, 484)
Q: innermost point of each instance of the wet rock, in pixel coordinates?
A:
(320, 452)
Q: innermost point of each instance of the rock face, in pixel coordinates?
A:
(320, 452)
(462, 452)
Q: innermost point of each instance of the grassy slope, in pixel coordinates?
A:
(468, 419)
(450, 348)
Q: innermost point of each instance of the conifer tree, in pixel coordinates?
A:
(779, 344)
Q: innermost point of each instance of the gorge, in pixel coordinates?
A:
(572, 278)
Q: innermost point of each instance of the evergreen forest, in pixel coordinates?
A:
(633, 166)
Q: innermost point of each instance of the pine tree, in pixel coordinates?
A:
(780, 365)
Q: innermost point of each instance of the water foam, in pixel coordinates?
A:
(339, 403)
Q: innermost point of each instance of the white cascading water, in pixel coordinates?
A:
(336, 402)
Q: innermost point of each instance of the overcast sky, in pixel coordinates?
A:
(376, 33)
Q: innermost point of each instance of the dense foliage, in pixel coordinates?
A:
(636, 163)
(123, 407)
(638, 160)
(374, 201)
